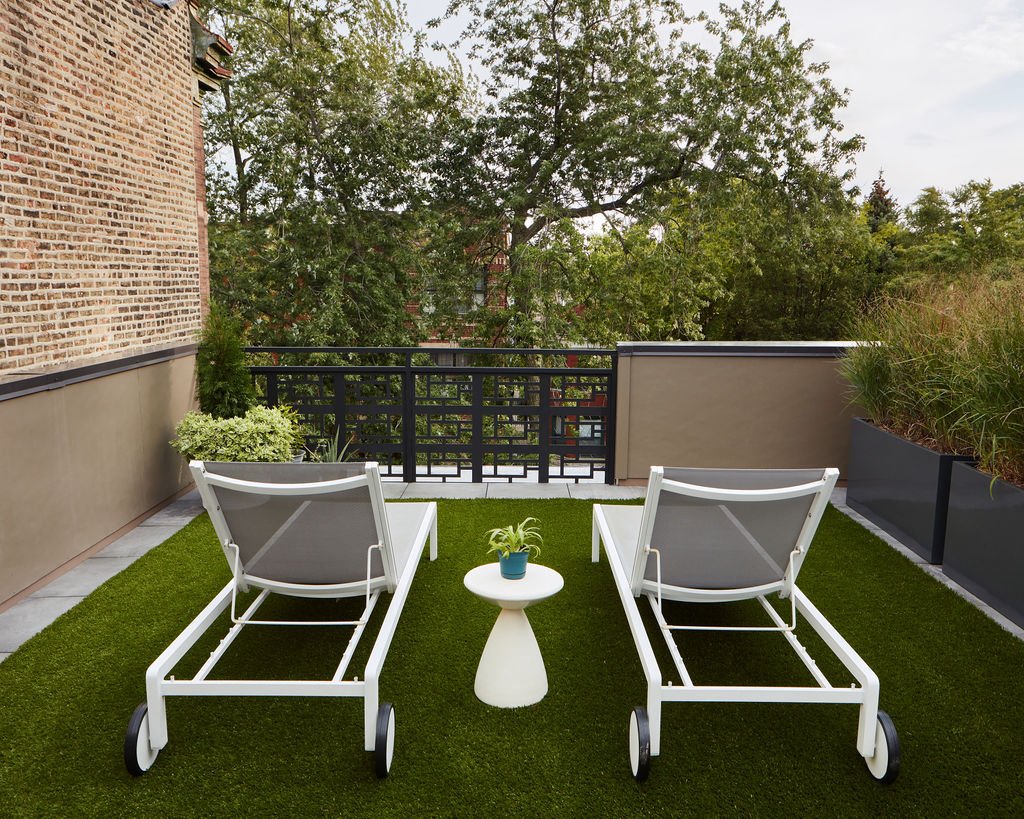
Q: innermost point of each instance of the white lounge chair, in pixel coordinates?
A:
(305, 530)
(719, 535)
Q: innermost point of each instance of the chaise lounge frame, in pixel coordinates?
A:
(148, 734)
(877, 741)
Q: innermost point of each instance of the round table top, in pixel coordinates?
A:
(539, 583)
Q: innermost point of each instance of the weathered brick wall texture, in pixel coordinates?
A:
(199, 149)
(99, 241)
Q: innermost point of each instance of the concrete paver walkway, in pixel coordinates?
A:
(33, 614)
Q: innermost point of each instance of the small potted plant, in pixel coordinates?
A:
(514, 544)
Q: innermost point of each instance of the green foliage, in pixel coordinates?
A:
(364, 178)
(298, 434)
(318, 227)
(223, 384)
(792, 266)
(881, 209)
(332, 451)
(745, 262)
(519, 537)
(593, 108)
(650, 280)
(948, 369)
(903, 375)
(991, 380)
(262, 434)
(974, 230)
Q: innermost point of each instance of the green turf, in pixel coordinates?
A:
(951, 679)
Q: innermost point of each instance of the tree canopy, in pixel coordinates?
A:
(594, 107)
(746, 264)
(618, 170)
(972, 229)
(880, 208)
(332, 121)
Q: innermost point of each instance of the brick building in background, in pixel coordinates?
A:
(103, 267)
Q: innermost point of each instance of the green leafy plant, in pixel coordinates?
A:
(262, 434)
(298, 433)
(520, 537)
(992, 381)
(223, 384)
(329, 450)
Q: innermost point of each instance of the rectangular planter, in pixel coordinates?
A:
(900, 486)
(985, 540)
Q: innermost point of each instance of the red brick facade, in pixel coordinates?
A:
(102, 239)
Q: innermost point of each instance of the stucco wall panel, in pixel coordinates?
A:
(731, 410)
(35, 525)
(172, 386)
(78, 463)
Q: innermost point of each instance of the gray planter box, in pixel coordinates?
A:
(900, 486)
(985, 540)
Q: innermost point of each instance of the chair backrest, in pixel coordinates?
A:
(304, 524)
(729, 529)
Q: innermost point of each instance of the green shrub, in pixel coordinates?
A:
(223, 384)
(947, 369)
(262, 434)
(298, 433)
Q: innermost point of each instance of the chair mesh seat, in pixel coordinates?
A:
(304, 539)
(714, 544)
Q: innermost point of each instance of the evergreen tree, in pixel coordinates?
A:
(223, 384)
(880, 207)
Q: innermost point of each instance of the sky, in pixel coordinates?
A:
(936, 86)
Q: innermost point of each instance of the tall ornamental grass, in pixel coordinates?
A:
(946, 369)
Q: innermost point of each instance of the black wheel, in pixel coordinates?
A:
(885, 764)
(384, 747)
(639, 744)
(138, 755)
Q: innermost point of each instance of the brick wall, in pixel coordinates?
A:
(99, 235)
(203, 217)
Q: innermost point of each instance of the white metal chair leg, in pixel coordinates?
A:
(654, 717)
(433, 536)
(162, 665)
(595, 542)
(157, 714)
(371, 701)
(868, 718)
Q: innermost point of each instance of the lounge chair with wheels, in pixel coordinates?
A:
(723, 535)
(302, 530)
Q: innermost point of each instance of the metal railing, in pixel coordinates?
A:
(452, 414)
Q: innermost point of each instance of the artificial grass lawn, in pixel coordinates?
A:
(951, 680)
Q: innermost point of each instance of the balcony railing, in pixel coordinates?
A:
(453, 414)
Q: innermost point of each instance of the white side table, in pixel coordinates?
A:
(511, 671)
